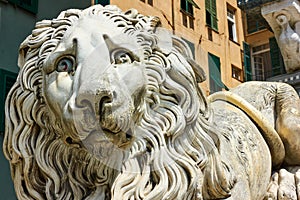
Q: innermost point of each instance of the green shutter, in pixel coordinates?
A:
(193, 3)
(214, 20)
(29, 5)
(207, 4)
(7, 79)
(187, 6)
(247, 62)
(102, 2)
(276, 58)
(215, 81)
(211, 8)
(214, 23)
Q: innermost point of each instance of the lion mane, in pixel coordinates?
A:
(176, 157)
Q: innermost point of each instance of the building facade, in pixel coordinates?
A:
(213, 30)
(265, 61)
(264, 54)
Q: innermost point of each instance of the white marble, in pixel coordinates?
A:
(107, 105)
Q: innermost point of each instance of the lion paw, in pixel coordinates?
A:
(284, 185)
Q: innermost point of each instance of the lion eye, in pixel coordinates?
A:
(122, 57)
(65, 64)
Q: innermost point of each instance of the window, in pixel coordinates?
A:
(261, 62)
(7, 79)
(209, 34)
(215, 81)
(231, 24)
(255, 23)
(187, 20)
(29, 5)
(211, 14)
(236, 73)
(150, 2)
(184, 20)
(259, 71)
(186, 8)
(102, 2)
(247, 62)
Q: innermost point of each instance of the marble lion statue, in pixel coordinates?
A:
(107, 105)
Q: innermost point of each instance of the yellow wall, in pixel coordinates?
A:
(229, 52)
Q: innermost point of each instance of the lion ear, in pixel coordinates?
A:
(23, 49)
(186, 52)
(199, 72)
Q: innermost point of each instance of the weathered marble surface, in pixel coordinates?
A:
(284, 17)
(107, 106)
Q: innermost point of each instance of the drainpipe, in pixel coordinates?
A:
(173, 18)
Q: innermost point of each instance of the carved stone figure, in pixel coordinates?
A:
(107, 106)
(283, 17)
(289, 42)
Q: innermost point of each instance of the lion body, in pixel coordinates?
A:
(107, 106)
(242, 144)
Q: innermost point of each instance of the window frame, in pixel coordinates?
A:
(231, 18)
(240, 73)
(187, 20)
(268, 69)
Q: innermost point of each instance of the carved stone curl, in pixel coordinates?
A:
(107, 106)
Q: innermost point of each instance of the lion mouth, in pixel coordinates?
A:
(114, 119)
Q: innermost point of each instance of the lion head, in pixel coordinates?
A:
(107, 106)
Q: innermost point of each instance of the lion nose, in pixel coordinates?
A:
(97, 100)
(104, 101)
(104, 98)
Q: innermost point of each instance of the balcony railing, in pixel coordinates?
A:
(286, 77)
(269, 75)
